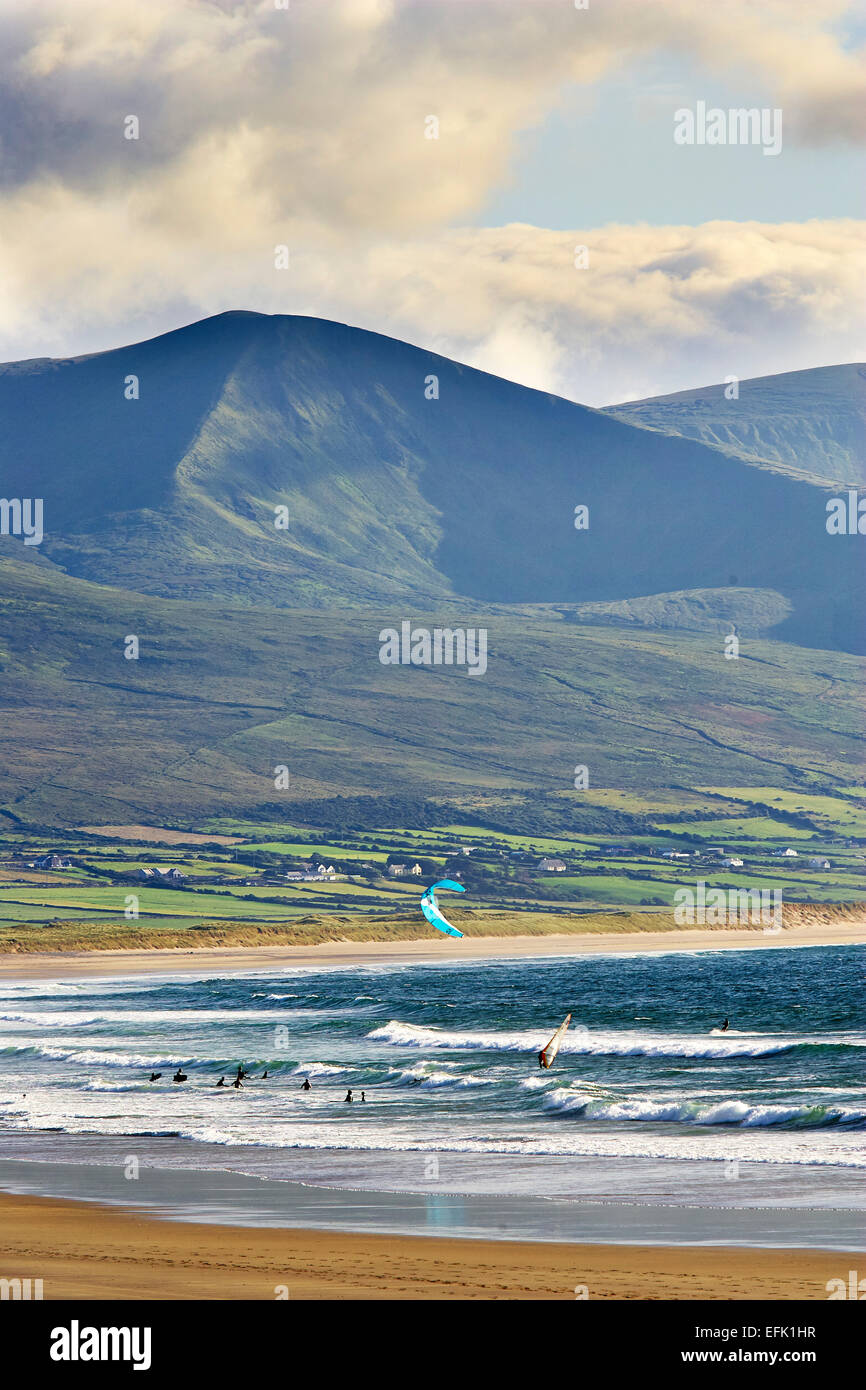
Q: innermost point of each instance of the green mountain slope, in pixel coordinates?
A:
(221, 696)
(391, 496)
(810, 423)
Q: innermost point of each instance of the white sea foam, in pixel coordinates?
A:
(727, 1112)
(56, 1018)
(604, 1043)
(425, 1075)
(319, 1069)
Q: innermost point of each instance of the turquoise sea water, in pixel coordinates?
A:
(446, 1057)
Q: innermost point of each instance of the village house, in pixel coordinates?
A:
(786, 854)
(166, 873)
(552, 866)
(50, 861)
(733, 863)
(819, 863)
(401, 870)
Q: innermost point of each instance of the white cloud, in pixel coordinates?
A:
(306, 126)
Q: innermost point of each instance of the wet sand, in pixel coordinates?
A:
(84, 1251)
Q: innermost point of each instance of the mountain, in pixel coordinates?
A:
(463, 500)
(221, 695)
(810, 423)
(259, 647)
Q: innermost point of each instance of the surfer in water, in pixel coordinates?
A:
(222, 1081)
(306, 1086)
(363, 1095)
(724, 1027)
(237, 1083)
(264, 1074)
(349, 1096)
(179, 1075)
(155, 1075)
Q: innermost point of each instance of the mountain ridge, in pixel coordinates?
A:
(392, 496)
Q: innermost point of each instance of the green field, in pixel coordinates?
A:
(830, 812)
(153, 902)
(739, 828)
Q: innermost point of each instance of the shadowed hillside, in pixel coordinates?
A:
(810, 423)
(391, 495)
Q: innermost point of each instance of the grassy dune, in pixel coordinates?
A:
(312, 930)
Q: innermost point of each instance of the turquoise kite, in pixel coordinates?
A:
(430, 907)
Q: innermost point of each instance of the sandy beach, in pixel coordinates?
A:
(50, 965)
(84, 1251)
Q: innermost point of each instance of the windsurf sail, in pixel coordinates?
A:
(547, 1054)
(430, 907)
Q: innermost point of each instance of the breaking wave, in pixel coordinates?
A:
(726, 1112)
(583, 1042)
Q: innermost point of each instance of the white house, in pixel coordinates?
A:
(787, 854)
(553, 866)
(400, 870)
(819, 863)
(733, 863)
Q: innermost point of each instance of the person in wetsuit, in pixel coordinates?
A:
(349, 1096)
(306, 1086)
(155, 1075)
(179, 1075)
(724, 1027)
(222, 1081)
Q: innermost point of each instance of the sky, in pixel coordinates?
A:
(306, 124)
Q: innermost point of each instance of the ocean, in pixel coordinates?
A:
(651, 1125)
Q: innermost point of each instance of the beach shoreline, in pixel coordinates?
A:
(60, 965)
(81, 1250)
